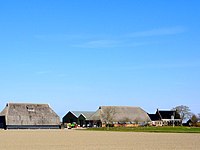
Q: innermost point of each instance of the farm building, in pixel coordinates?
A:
(118, 115)
(165, 118)
(155, 120)
(78, 117)
(28, 116)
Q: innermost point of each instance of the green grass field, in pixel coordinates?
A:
(166, 129)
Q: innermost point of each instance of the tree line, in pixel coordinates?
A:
(186, 114)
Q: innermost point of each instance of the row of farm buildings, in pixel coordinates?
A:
(42, 116)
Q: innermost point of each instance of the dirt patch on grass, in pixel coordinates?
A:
(93, 140)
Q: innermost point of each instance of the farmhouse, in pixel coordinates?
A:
(78, 117)
(118, 115)
(28, 116)
(165, 118)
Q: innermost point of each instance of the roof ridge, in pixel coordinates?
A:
(27, 103)
(119, 106)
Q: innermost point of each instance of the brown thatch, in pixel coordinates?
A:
(25, 115)
(120, 114)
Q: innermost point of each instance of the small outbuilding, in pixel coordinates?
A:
(28, 116)
(77, 117)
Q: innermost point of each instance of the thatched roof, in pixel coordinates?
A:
(120, 114)
(29, 114)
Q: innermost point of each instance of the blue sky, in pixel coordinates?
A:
(78, 55)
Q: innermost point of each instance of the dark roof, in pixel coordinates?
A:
(86, 114)
(167, 114)
(154, 117)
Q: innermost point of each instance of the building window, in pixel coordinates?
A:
(30, 109)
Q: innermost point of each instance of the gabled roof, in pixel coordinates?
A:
(86, 114)
(95, 116)
(29, 114)
(167, 114)
(4, 111)
(154, 117)
(121, 114)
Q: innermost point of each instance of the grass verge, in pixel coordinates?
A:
(166, 129)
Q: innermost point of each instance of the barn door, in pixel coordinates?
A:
(2, 122)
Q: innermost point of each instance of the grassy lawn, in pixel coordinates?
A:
(150, 129)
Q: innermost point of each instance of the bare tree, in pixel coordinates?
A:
(126, 119)
(198, 116)
(184, 111)
(108, 114)
(137, 120)
(194, 119)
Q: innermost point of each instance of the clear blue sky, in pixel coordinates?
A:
(79, 54)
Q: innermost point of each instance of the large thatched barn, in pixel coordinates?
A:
(118, 115)
(28, 116)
